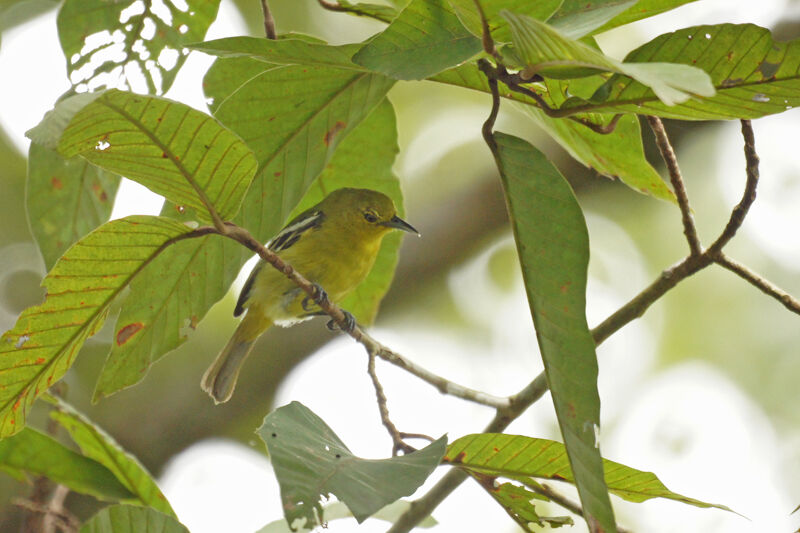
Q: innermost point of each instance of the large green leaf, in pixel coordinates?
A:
(128, 519)
(364, 159)
(541, 49)
(283, 51)
(553, 247)
(96, 444)
(468, 14)
(753, 74)
(80, 288)
(39, 454)
(65, 200)
(311, 462)
(176, 151)
(642, 10)
(576, 18)
(425, 38)
(617, 154)
(115, 44)
(519, 457)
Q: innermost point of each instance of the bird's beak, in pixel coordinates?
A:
(398, 223)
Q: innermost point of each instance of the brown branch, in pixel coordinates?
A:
(486, 34)
(760, 283)
(397, 439)
(269, 21)
(665, 147)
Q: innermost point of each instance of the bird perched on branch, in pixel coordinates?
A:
(334, 245)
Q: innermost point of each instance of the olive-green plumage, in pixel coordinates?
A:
(333, 244)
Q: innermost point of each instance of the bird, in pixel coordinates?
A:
(334, 245)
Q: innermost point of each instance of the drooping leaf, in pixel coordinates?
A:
(468, 14)
(519, 457)
(424, 39)
(283, 51)
(128, 519)
(39, 454)
(337, 510)
(641, 10)
(553, 247)
(518, 503)
(364, 159)
(366, 9)
(541, 49)
(96, 444)
(117, 44)
(576, 18)
(753, 75)
(174, 150)
(65, 200)
(80, 288)
(311, 462)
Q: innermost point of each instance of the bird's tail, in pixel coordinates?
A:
(220, 378)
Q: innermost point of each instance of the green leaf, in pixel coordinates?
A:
(424, 39)
(544, 50)
(642, 10)
(96, 444)
(753, 75)
(127, 42)
(519, 457)
(283, 51)
(376, 11)
(39, 454)
(174, 150)
(618, 154)
(498, 26)
(65, 200)
(576, 18)
(518, 503)
(364, 159)
(553, 247)
(337, 510)
(226, 75)
(293, 118)
(311, 462)
(80, 288)
(128, 519)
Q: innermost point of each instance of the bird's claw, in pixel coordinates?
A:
(320, 295)
(349, 323)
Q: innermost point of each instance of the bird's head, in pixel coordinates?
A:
(364, 212)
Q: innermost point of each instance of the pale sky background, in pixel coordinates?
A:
(733, 455)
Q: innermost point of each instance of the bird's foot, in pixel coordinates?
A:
(320, 295)
(349, 323)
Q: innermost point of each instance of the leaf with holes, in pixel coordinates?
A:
(36, 453)
(80, 288)
(65, 200)
(541, 49)
(310, 462)
(364, 159)
(174, 150)
(753, 75)
(130, 43)
(553, 247)
(468, 14)
(518, 457)
(518, 503)
(99, 446)
(128, 519)
(425, 38)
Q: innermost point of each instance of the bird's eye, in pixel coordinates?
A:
(371, 218)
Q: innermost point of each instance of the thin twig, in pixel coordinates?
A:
(665, 147)
(269, 21)
(63, 520)
(563, 501)
(488, 42)
(397, 439)
(749, 195)
(762, 284)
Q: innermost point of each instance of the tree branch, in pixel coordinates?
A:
(269, 21)
(760, 283)
(397, 439)
(665, 147)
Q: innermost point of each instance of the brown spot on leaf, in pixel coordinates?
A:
(124, 334)
(331, 134)
(277, 174)
(56, 183)
(565, 287)
(571, 410)
(40, 360)
(193, 322)
(459, 458)
(558, 476)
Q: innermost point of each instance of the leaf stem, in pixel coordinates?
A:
(269, 21)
